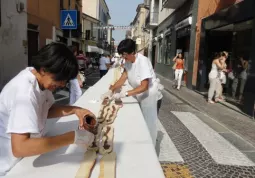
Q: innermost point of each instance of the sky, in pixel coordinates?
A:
(122, 12)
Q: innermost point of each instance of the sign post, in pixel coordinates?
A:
(68, 19)
(69, 22)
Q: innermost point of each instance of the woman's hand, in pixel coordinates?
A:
(83, 138)
(120, 95)
(225, 70)
(82, 114)
(80, 83)
(108, 94)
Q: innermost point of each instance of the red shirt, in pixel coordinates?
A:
(179, 64)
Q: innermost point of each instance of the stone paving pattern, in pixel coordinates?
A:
(238, 123)
(198, 163)
(176, 170)
(198, 160)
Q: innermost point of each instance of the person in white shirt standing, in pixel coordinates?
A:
(75, 84)
(104, 65)
(139, 72)
(26, 102)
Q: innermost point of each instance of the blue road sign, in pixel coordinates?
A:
(68, 19)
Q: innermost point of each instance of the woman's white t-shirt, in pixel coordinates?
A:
(140, 70)
(103, 61)
(23, 109)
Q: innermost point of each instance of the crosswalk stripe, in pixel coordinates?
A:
(168, 152)
(220, 149)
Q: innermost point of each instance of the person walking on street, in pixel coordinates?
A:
(179, 69)
(214, 79)
(82, 61)
(26, 102)
(105, 64)
(75, 84)
(140, 75)
(223, 78)
(240, 78)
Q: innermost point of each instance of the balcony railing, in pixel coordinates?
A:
(173, 4)
(152, 20)
(154, 17)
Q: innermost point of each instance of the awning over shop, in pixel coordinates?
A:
(100, 51)
(106, 52)
(92, 49)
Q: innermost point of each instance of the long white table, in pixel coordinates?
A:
(136, 156)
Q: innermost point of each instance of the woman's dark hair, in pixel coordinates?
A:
(73, 49)
(223, 54)
(216, 55)
(57, 59)
(127, 46)
(179, 54)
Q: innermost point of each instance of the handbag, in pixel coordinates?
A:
(174, 66)
(231, 75)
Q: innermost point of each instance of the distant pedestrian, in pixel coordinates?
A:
(179, 69)
(214, 79)
(104, 65)
(223, 78)
(82, 61)
(75, 84)
(240, 78)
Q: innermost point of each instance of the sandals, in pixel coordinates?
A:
(210, 102)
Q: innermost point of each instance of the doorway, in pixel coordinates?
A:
(153, 56)
(32, 38)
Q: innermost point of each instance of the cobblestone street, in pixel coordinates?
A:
(192, 143)
(198, 159)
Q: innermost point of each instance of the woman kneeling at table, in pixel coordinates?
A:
(27, 101)
(141, 76)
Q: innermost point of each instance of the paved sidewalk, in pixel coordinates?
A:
(235, 121)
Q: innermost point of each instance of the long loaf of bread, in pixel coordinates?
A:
(87, 165)
(108, 166)
(106, 145)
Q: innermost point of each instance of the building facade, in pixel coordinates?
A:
(44, 24)
(235, 33)
(198, 29)
(155, 17)
(105, 34)
(13, 40)
(173, 35)
(99, 10)
(89, 33)
(139, 32)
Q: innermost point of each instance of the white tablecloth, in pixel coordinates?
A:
(136, 156)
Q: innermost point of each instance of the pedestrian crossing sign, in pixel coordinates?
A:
(68, 19)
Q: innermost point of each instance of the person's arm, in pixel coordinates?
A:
(174, 58)
(61, 111)
(120, 82)
(24, 146)
(218, 64)
(79, 80)
(245, 64)
(108, 63)
(140, 89)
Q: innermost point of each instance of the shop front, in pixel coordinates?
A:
(173, 35)
(231, 30)
(183, 30)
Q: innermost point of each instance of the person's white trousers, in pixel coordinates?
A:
(148, 104)
(75, 91)
(178, 77)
